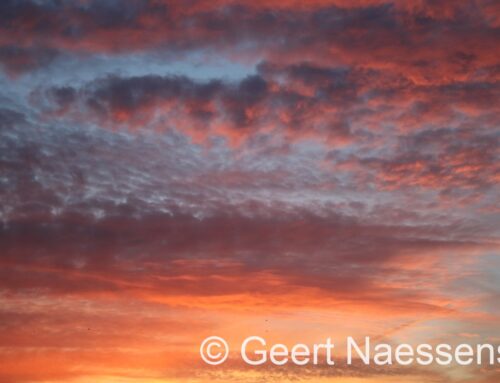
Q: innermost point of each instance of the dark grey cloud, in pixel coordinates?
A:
(16, 59)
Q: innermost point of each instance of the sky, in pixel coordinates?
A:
(290, 169)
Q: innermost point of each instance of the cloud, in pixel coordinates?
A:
(17, 59)
(186, 256)
(343, 179)
(372, 33)
(443, 159)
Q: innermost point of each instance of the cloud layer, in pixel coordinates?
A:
(170, 171)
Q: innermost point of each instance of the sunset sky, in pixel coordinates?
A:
(296, 170)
